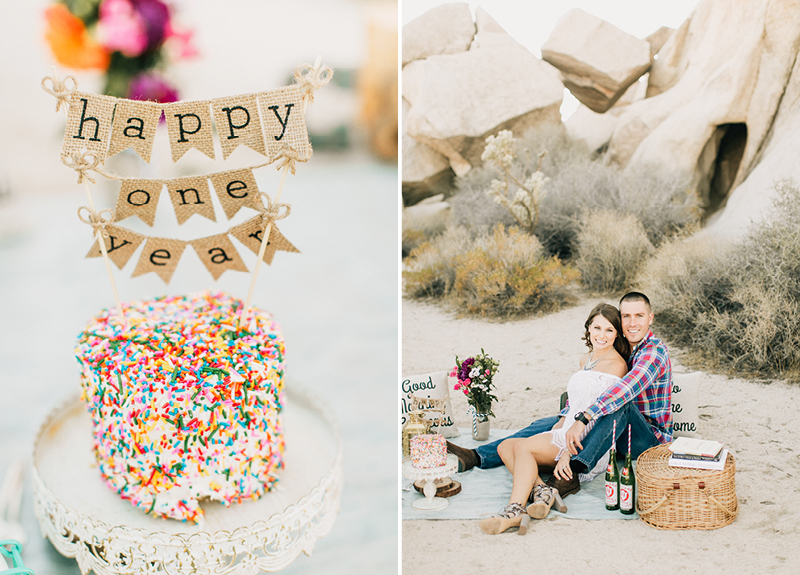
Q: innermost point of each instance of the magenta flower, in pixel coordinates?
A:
(156, 17)
(180, 43)
(151, 86)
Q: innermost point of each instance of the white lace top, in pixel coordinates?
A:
(583, 389)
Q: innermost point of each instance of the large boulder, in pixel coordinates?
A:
(458, 100)
(425, 171)
(489, 33)
(722, 77)
(751, 201)
(592, 128)
(597, 60)
(445, 29)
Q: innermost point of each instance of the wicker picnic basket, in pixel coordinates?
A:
(682, 498)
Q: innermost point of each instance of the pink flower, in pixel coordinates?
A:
(121, 28)
(151, 86)
(180, 43)
(457, 386)
(468, 381)
(487, 372)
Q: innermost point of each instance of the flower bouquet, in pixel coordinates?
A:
(128, 40)
(474, 376)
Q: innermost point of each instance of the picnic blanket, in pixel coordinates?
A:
(484, 492)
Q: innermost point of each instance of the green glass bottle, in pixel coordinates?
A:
(627, 487)
(612, 482)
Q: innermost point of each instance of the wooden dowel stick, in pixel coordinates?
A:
(103, 250)
(268, 230)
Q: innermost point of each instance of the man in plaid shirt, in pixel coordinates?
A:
(642, 398)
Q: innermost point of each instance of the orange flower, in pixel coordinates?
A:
(70, 41)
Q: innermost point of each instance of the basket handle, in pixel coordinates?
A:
(721, 506)
(654, 507)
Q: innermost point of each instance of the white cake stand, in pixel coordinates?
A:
(85, 519)
(431, 502)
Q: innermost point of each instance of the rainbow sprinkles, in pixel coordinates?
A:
(185, 406)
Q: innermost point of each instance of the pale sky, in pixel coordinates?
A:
(530, 22)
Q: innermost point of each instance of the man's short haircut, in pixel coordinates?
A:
(635, 296)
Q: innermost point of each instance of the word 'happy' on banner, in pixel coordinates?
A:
(266, 122)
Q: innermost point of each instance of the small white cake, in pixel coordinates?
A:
(428, 450)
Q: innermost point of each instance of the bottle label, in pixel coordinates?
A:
(625, 497)
(625, 472)
(611, 493)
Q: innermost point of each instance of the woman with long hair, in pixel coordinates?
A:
(524, 457)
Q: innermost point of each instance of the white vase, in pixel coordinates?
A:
(480, 431)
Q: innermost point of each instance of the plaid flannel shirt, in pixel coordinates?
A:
(648, 384)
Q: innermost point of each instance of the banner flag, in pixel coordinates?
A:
(120, 245)
(218, 254)
(189, 126)
(134, 126)
(191, 196)
(88, 125)
(160, 255)
(235, 189)
(238, 124)
(284, 123)
(138, 198)
(251, 232)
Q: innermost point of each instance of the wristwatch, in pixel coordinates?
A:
(582, 418)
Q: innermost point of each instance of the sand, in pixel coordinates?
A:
(757, 420)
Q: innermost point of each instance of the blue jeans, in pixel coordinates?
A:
(488, 453)
(596, 442)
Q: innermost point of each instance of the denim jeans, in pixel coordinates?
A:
(598, 440)
(488, 453)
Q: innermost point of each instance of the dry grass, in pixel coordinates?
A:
(579, 181)
(503, 274)
(738, 305)
(611, 248)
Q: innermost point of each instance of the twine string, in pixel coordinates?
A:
(98, 220)
(59, 88)
(273, 212)
(288, 156)
(312, 77)
(82, 161)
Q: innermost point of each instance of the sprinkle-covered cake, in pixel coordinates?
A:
(428, 450)
(185, 403)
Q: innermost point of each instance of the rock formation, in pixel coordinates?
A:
(597, 60)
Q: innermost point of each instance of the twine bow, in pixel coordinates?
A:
(98, 220)
(288, 156)
(312, 78)
(82, 162)
(272, 212)
(59, 89)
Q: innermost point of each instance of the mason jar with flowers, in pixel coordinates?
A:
(475, 379)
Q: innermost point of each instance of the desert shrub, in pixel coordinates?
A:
(663, 201)
(502, 274)
(736, 305)
(430, 267)
(424, 220)
(611, 247)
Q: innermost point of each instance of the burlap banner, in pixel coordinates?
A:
(284, 121)
(88, 125)
(191, 196)
(138, 198)
(238, 124)
(218, 254)
(235, 189)
(120, 245)
(251, 232)
(134, 127)
(105, 126)
(160, 255)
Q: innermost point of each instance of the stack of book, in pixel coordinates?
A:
(698, 454)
